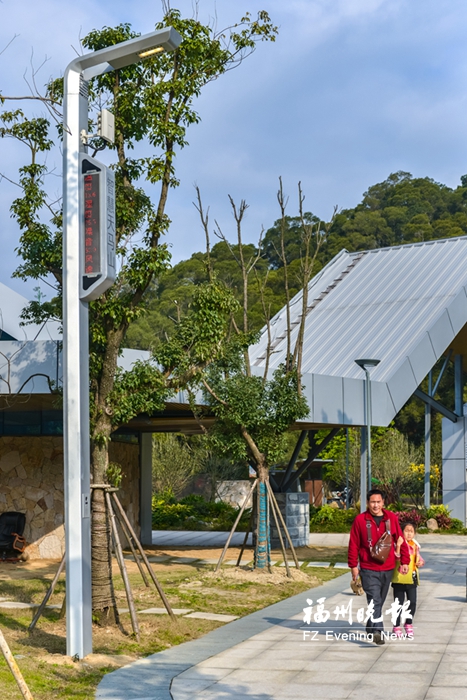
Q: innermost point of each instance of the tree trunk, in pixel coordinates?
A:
(104, 604)
(263, 542)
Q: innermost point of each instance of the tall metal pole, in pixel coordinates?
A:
(368, 422)
(75, 383)
(363, 468)
(347, 455)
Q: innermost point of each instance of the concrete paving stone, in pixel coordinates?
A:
(318, 691)
(184, 560)
(260, 690)
(252, 675)
(280, 664)
(13, 605)
(423, 666)
(381, 679)
(341, 565)
(159, 558)
(291, 564)
(313, 678)
(163, 611)
(318, 564)
(459, 637)
(197, 673)
(212, 616)
(361, 664)
(454, 667)
(453, 651)
(209, 561)
(232, 662)
(388, 693)
(446, 693)
(456, 680)
(122, 611)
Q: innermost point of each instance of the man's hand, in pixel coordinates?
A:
(404, 568)
(355, 572)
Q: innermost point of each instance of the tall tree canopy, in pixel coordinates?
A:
(154, 104)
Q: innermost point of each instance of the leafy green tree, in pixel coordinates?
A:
(253, 413)
(153, 103)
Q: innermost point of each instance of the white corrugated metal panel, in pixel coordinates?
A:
(402, 305)
(382, 308)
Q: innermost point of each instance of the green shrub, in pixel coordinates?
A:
(194, 512)
(327, 519)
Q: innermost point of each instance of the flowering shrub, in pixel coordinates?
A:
(414, 516)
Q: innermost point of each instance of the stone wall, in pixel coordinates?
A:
(295, 509)
(31, 481)
(234, 492)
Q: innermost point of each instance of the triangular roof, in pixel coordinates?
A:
(404, 305)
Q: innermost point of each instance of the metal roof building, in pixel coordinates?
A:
(405, 306)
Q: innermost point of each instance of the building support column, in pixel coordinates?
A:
(428, 444)
(145, 496)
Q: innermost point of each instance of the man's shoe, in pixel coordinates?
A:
(378, 638)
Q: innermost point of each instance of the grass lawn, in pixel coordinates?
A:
(40, 655)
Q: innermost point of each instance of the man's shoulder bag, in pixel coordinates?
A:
(380, 551)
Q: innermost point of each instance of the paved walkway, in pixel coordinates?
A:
(268, 656)
(189, 538)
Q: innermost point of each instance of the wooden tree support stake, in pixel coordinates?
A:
(284, 553)
(144, 557)
(250, 524)
(284, 526)
(121, 563)
(51, 589)
(18, 676)
(247, 497)
(129, 538)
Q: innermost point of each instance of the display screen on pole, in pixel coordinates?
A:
(97, 228)
(92, 252)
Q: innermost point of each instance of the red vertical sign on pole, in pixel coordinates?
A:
(92, 252)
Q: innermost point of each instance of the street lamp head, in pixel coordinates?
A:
(367, 363)
(128, 52)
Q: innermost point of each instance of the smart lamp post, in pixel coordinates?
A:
(366, 365)
(88, 270)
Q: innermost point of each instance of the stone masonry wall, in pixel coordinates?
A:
(295, 509)
(31, 482)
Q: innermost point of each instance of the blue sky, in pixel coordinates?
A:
(351, 91)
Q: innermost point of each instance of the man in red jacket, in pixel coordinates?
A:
(366, 530)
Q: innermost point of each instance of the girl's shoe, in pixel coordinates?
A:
(397, 631)
(408, 630)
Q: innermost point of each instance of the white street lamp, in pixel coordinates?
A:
(366, 365)
(76, 330)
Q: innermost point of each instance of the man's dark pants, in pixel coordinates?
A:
(376, 586)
